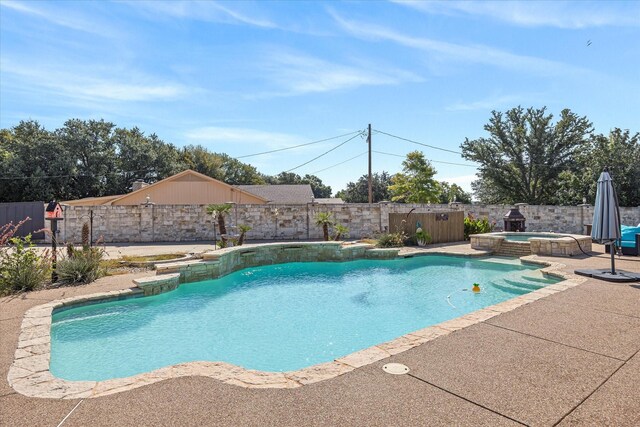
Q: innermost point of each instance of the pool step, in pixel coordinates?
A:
(542, 279)
(516, 249)
(510, 289)
(523, 285)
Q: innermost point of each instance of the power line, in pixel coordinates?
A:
(326, 152)
(338, 164)
(416, 142)
(434, 161)
(455, 152)
(75, 175)
(298, 146)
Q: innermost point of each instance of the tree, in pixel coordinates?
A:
(219, 166)
(416, 183)
(525, 153)
(324, 219)
(320, 191)
(358, 192)
(453, 193)
(620, 153)
(91, 146)
(140, 157)
(235, 172)
(317, 186)
(219, 211)
(199, 159)
(35, 165)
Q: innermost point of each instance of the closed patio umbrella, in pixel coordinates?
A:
(606, 215)
(606, 230)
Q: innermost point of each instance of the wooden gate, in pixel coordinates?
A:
(443, 227)
(16, 212)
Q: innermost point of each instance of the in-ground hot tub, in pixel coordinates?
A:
(521, 244)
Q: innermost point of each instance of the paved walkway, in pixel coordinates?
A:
(117, 250)
(568, 359)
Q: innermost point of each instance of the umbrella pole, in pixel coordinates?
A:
(613, 259)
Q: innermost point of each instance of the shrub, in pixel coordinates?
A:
(476, 226)
(21, 268)
(80, 266)
(391, 240)
(243, 231)
(340, 231)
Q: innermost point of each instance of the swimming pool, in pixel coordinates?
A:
(279, 317)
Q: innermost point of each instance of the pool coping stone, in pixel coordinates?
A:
(29, 373)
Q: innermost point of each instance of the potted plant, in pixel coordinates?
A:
(422, 237)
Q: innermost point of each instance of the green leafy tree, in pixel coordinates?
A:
(358, 192)
(91, 146)
(620, 153)
(35, 166)
(219, 166)
(317, 186)
(453, 193)
(141, 157)
(199, 159)
(525, 154)
(416, 183)
(235, 172)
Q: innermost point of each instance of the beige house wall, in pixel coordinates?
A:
(188, 193)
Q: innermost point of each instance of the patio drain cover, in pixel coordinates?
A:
(395, 368)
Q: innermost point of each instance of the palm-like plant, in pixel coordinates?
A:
(220, 211)
(243, 230)
(340, 230)
(324, 219)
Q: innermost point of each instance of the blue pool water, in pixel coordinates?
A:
(279, 317)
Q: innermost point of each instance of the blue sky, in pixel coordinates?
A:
(247, 77)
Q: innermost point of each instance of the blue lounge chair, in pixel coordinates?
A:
(629, 241)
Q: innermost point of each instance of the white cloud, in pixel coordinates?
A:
(457, 52)
(201, 11)
(86, 86)
(297, 74)
(559, 14)
(63, 18)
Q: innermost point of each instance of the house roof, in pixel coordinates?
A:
(178, 176)
(281, 194)
(95, 201)
(109, 200)
(329, 200)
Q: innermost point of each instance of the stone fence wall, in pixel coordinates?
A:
(175, 223)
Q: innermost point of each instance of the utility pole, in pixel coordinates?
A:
(370, 178)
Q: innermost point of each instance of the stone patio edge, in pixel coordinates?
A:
(29, 373)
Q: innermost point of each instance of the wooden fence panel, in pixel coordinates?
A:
(443, 227)
(16, 212)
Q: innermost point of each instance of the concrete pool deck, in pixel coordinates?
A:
(569, 357)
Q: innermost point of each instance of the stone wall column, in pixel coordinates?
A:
(146, 223)
(384, 217)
